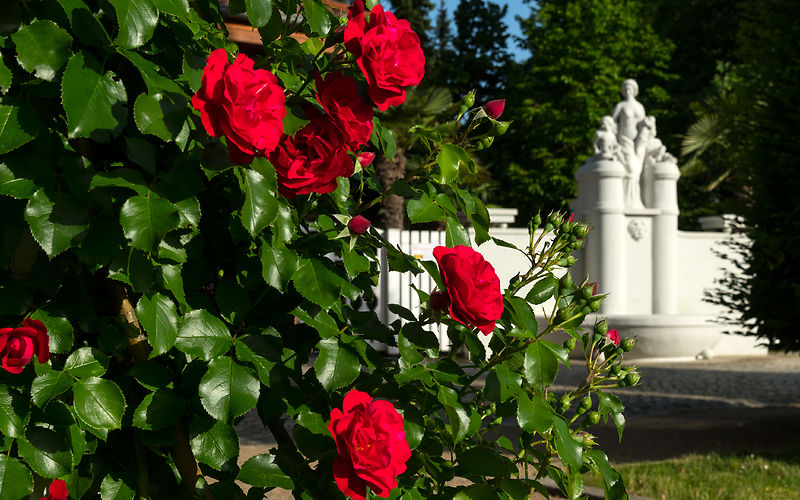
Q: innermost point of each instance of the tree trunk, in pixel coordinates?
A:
(392, 213)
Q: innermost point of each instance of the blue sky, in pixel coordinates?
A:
(515, 8)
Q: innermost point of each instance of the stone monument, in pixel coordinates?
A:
(627, 193)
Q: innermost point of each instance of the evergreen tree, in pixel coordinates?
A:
(416, 12)
(581, 51)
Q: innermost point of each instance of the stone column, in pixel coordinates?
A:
(600, 200)
(665, 237)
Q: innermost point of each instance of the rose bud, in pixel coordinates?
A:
(57, 491)
(439, 300)
(613, 336)
(495, 108)
(358, 224)
(365, 158)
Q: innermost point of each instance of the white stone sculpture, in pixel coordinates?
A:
(629, 136)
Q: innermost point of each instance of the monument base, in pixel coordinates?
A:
(681, 337)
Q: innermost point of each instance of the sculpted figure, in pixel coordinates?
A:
(605, 139)
(628, 112)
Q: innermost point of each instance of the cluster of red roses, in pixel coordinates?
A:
(247, 105)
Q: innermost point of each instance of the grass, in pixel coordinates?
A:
(715, 477)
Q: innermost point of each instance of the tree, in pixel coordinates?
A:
(769, 48)
(480, 57)
(581, 50)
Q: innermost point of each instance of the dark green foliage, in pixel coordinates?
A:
(581, 51)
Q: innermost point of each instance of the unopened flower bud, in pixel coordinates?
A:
(469, 99)
(365, 158)
(439, 300)
(358, 224)
(565, 281)
(537, 220)
(632, 378)
(593, 417)
(569, 344)
(601, 328)
(495, 108)
(628, 344)
(586, 403)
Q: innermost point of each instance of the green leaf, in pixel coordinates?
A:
(217, 446)
(84, 25)
(336, 365)
(137, 20)
(86, 362)
(159, 409)
(523, 315)
(203, 335)
(262, 471)
(99, 403)
(317, 283)
(46, 451)
(354, 261)
(476, 492)
(18, 126)
(159, 318)
(278, 265)
(58, 328)
(146, 219)
(543, 289)
(610, 404)
(55, 221)
(160, 116)
(49, 385)
(317, 14)
(228, 389)
(323, 322)
(12, 413)
(424, 209)
(120, 177)
(260, 201)
(480, 221)
(5, 77)
(42, 48)
(258, 12)
(455, 234)
(151, 374)
(261, 351)
(541, 365)
(569, 450)
(534, 415)
(502, 384)
(89, 96)
(459, 422)
(483, 461)
(16, 187)
(16, 481)
(451, 160)
(116, 489)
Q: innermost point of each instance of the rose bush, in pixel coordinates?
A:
(371, 444)
(472, 287)
(186, 253)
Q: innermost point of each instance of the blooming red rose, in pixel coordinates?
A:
(472, 285)
(371, 443)
(18, 345)
(387, 51)
(358, 224)
(245, 105)
(311, 161)
(338, 95)
(57, 491)
(613, 336)
(495, 108)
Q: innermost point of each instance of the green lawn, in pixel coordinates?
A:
(715, 477)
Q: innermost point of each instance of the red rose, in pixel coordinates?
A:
(472, 285)
(371, 443)
(311, 161)
(358, 224)
(338, 95)
(57, 491)
(245, 105)
(613, 336)
(387, 51)
(365, 158)
(495, 108)
(18, 345)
